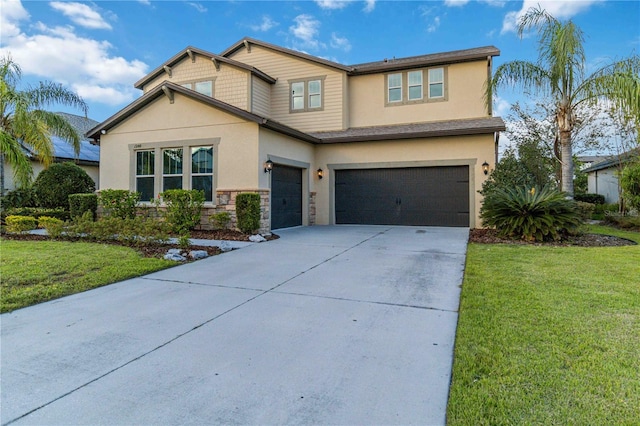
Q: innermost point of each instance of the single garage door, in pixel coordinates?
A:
(431, 196)
(286, 197)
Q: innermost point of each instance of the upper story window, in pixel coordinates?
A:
(204, 87)
(417, 86)
(307, 94)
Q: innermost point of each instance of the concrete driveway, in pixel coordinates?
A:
(327, 325)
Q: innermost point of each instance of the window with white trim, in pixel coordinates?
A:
(415, 85)
(202, 170)
(436, 83)
(306, 95)
(394, 84)
(145, 174)
(171, 168)
(205, 87)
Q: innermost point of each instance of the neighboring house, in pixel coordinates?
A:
(587, 161)
(398, 141)
(88, 158)
(602, 177)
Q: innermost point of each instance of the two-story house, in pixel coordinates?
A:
(402, 141)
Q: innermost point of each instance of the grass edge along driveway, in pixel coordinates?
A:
(548, 335)
(38, 271)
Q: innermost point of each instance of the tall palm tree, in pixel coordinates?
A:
(560, 73)
(24, 122)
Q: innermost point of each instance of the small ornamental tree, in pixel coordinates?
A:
(54, 185)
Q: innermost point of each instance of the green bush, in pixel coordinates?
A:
(630, 184)
(54, 185)
(119, 203)
(80, 203)
(136, 231)
(248, 212)
(589, 198)
(20, 224)
(53, 226)
(183, 208)
(585, 210)
(529, 214)
(624, 222)
(220, 220)
(37, 212)
(19, 197)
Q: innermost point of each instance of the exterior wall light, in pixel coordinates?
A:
(485, 168)
(268, 166)
(320, 174)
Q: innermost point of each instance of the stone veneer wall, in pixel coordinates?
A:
(312, 208)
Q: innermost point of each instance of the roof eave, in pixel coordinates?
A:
(413, 135)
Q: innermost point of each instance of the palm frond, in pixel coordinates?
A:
(59, 126)
(49, 93)
(522, 74)
(14, 155)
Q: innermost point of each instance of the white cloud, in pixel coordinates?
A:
(266, 24)
(145, 2)
(59, 54)
(433, 26)
(306, 29)
(455, 3)
(433, 22)
(12, 14)
(332, 4)
(340, 42)
(81, 14)
(370, 5)
(501, 106)
(559, 9)
(197, 6)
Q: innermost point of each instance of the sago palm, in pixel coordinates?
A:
(560, 74)
(25, 123)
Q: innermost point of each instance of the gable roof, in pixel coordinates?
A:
(168, 87)
(385, 65)
(189, 51)
(245, 42)
(614, 161)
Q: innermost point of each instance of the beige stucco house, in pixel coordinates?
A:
(399, 141)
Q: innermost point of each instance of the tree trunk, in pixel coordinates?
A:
(567, 162)
(1, 175)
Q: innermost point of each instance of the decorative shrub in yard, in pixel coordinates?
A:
(81, 203)
(220, 220)
(54, 185)
(183, 208)
(590, 198)
(585, 210)
(530, 214)
(37, 212)
(19, 197)
(20, 224)
(248, 212)
(53, 226)
(136, 231)
(630, 183)
(119, 203)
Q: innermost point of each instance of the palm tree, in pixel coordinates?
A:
(560, 74)
(24, 122)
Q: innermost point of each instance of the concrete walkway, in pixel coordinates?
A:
(327, 325)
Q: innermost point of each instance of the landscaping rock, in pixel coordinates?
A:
(225, 246)
(176, 257)
(198, 254)
(257, 238)
(174, 251)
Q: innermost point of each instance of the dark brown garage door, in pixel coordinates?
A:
(286, 197)
(431, 196)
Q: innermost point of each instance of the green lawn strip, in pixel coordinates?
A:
(36, 271)
(548, 335)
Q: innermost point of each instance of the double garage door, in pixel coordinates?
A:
(418, 196)
(431, 196)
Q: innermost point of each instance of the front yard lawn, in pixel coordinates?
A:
(36, 271)
(548, 335)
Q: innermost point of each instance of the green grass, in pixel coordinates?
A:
(36, 271)
(548, 335)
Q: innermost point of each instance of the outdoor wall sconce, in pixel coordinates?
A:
(485, 168)
(268, 166)
(320, 174)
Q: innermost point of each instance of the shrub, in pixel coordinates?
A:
(529, 214)
(136, 231)
(80, 203)
(508, 173)
(53, 226)
(183, 208)
(624, 222)
(589, 198)
(20, 197)
(54, 185)
(630, 184)
(248, 212)
(20, 224)
(602, 210)
(220, 220)
(37, 212)
(119, 203)
(585, 210)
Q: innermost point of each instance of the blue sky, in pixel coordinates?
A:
(99, 49)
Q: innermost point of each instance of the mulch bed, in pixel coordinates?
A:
(490, 236)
